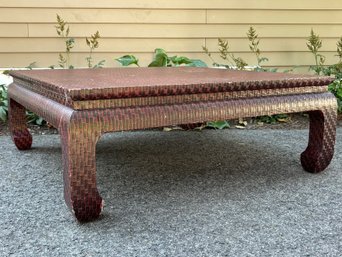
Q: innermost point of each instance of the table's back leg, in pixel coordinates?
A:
(80, 190)
(320, 149)
(17, 125)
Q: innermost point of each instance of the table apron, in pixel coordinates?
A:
(130, 118)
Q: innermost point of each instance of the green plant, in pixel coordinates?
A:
(272, 119)
(63, 31)
(220, 124)
(31, 117)
(161, 59)
(3, 103)
(237, 62)
(314, 44)
(128, 60)
(93, 43)
(226, 55)
(34, 118)
(31, 66)
(240, 64)
(336, 89)
(339, 49)
(254, 47)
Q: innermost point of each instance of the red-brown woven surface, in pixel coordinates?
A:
(94, 84)
(81, 129)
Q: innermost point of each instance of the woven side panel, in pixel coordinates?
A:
(178, 99)
(155, 116)
(64, 99)
(96, 84)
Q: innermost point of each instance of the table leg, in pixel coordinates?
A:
(79, 150)
(18, 127)
(320, 149)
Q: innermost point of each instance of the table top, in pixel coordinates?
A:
(112, 83)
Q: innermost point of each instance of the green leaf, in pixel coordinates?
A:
(3, 114)
(273, 70)
(180, 60)
(39, 121)
(87, 41)
(263, 59)
(99, 64)
(3, 91)
(160, 59)
(127, 60)
(31, 66)
(197, 63)
(218, 124)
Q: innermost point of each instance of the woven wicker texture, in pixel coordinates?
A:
(85, 84)
(81, 129)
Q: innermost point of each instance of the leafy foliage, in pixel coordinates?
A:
(34, 119)
(31, 117)
(339, 49)
(272, 119)
(336, 89)
(226, 55)
(63, 31)
(238, 63)
(254, 47)
(93, 43)
(128, 60)
(314, 44)
(3, 103)
(221, 124)
(161, 59)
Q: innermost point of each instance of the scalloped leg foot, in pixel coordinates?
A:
(80, 191)
(17, 125)
(320, 149)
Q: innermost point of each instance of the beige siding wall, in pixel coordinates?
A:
(182, 27)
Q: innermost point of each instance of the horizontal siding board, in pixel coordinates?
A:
(177, 4)
(40, 15)
(13, 30)
(281, 58)
(132, 45)
(78, 59)
(8, 45)
(139, 26)
(273, 44)
(184, 30)
(275, 16)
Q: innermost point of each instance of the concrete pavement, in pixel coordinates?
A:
(209, 193)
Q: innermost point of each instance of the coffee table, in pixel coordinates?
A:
(85, 103)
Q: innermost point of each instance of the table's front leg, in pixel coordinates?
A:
(79, 150)
(17, 125)
(320, 149)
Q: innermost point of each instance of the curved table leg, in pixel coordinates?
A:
(17, 125)
(80, 191)
(320, 149)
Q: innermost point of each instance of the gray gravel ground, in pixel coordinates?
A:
(210, 193)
